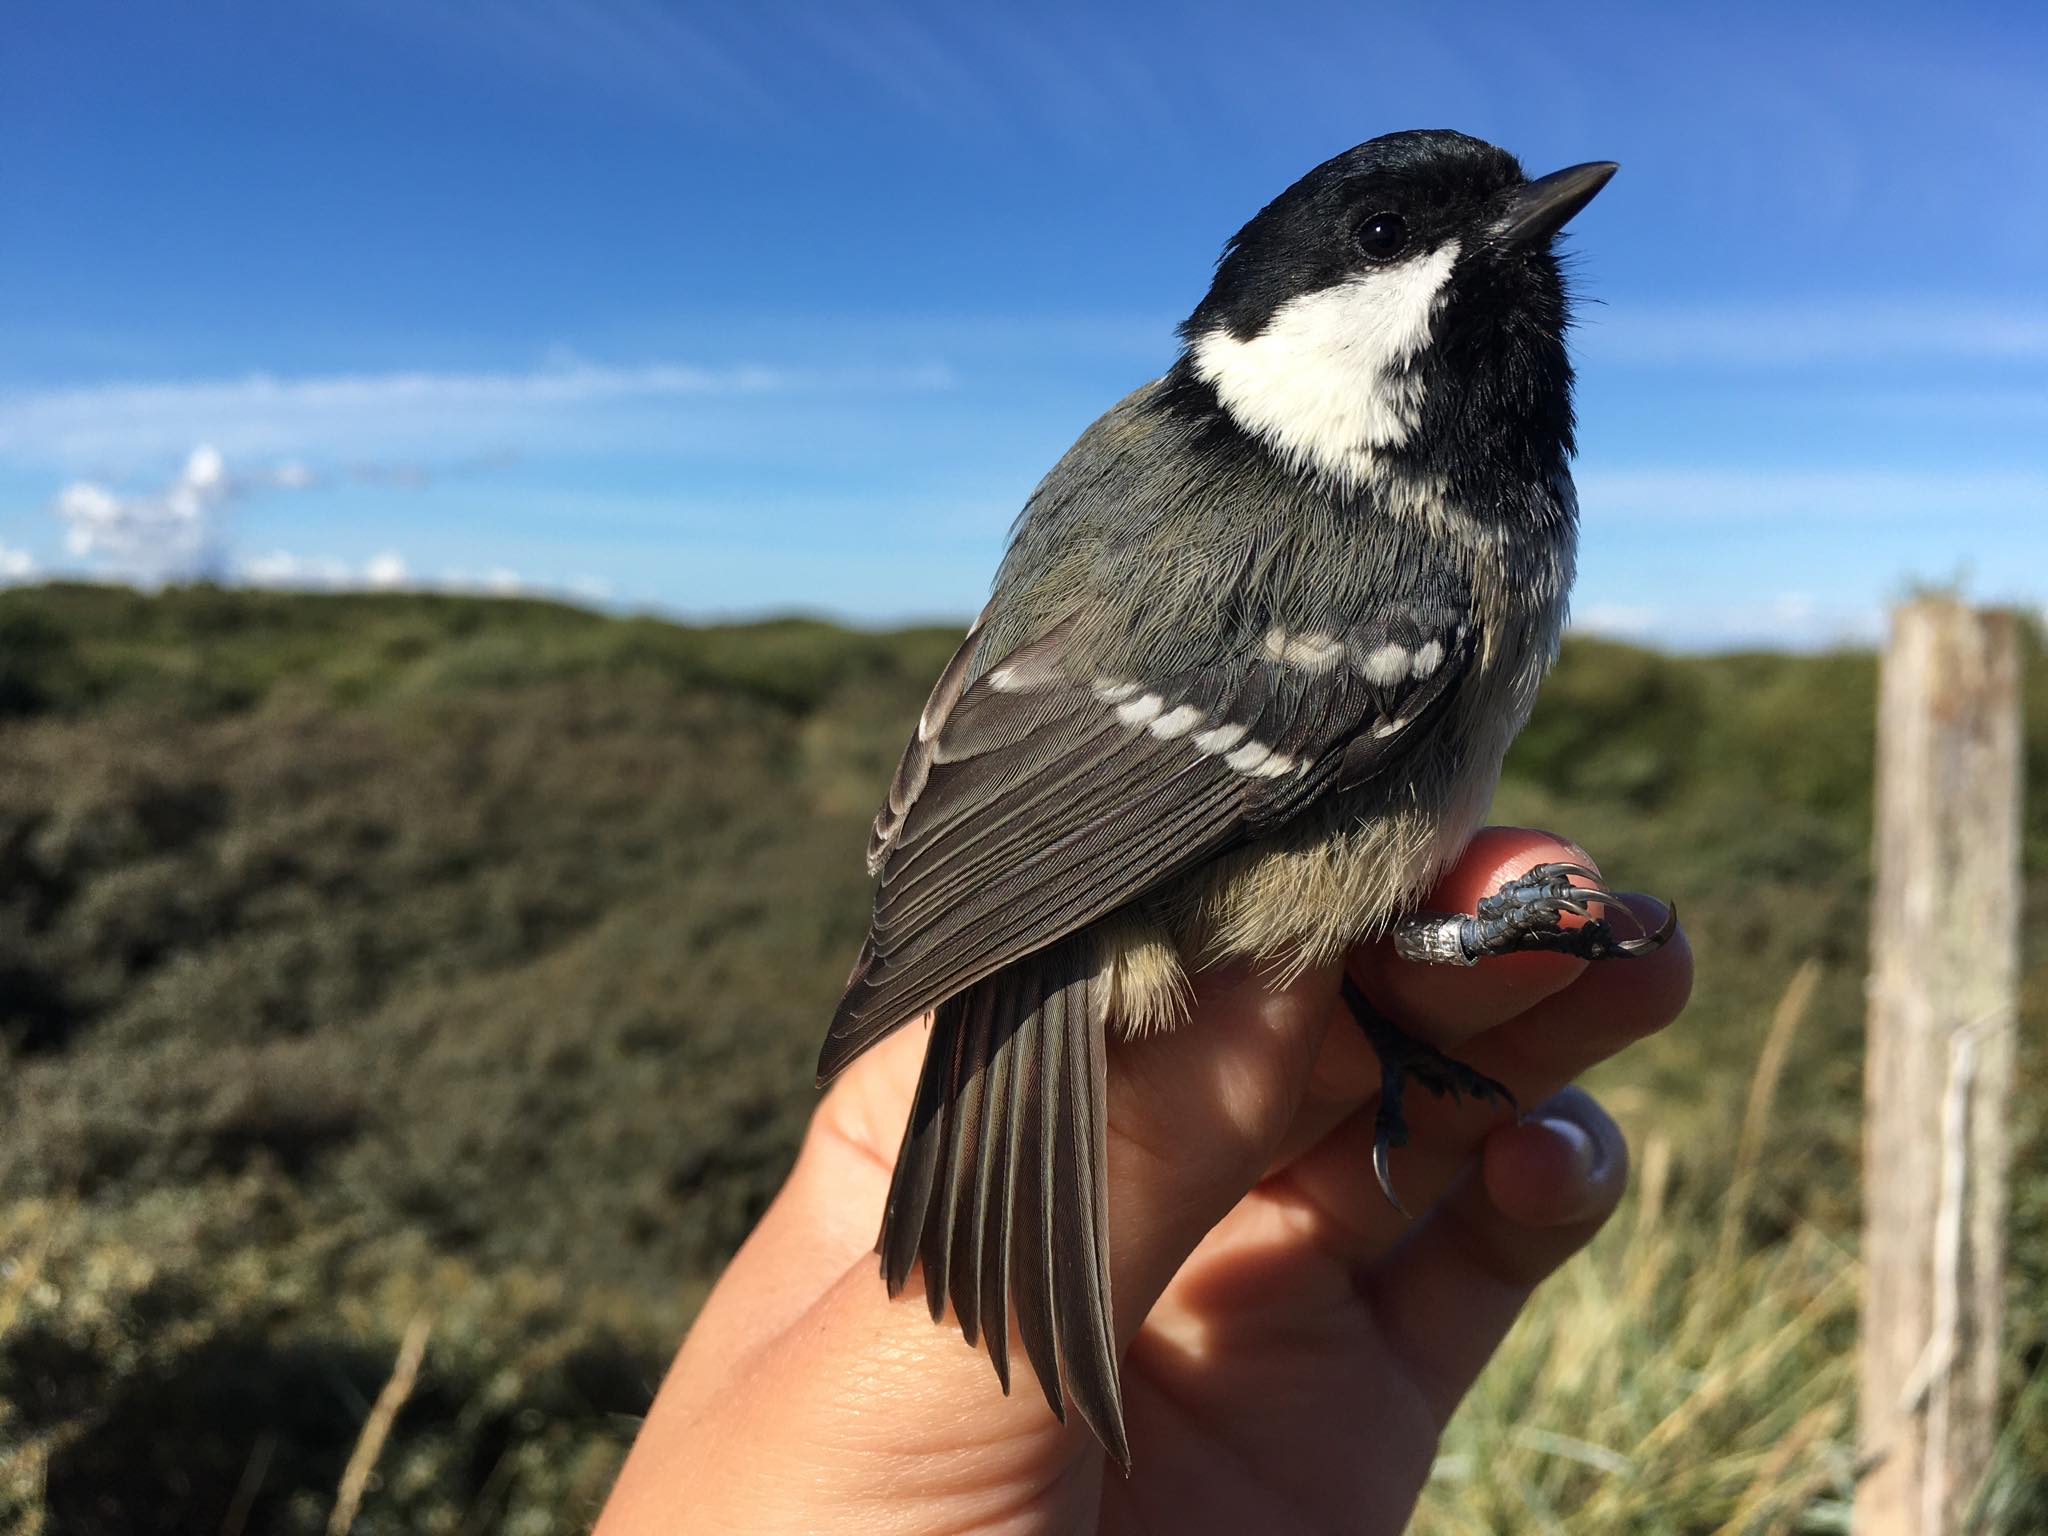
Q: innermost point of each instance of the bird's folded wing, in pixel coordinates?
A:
(1033, 800)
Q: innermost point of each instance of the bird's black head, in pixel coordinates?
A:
(1400, 306)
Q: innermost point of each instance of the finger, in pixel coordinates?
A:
(903, 1419)
(1193, 1118)
(1610, 1006)
(1446, 1295)
(1448, 1003)
(800, 1339)
(1443, 1005)
(1613, 1005)
(1196, 1117)
(821, 1223)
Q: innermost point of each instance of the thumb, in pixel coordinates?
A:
(1196, 1116)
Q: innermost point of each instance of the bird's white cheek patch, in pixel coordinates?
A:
(1327, 382)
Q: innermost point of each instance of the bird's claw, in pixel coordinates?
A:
(1526, 914)
(1382, 1145)
(1402, 1058)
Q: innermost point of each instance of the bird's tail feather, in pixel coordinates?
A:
(1000, 1186)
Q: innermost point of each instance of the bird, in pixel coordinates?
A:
(1242, 689)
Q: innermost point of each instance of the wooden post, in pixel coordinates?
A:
(1944, 982)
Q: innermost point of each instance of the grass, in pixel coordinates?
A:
(1683, 1377)
(365, 959)
(1650, 1390)
(1691, 1376)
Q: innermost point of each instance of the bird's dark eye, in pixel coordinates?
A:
(1383, 236)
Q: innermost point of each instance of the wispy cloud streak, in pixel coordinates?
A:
(1797, 495)
(1782, 335)
(1792, 620)
(389, 571)
(263, 411)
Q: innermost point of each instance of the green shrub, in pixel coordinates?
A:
(370, 955)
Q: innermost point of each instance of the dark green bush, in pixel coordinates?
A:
(365, 954)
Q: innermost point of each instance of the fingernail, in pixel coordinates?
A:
(1575, 1136)
(1585, 1151)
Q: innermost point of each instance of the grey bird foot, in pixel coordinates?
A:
(1528, 914)
(1402, 1058)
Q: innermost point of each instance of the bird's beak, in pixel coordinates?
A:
(1538, 209)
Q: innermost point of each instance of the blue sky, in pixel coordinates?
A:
(718, 309)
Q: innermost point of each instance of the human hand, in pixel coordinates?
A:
(1294, 1347)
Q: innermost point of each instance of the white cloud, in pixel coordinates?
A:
(1784, 620)
(173, 532)
(1821, 332)
(281, 568)
(386, 570)
(1716, 495)
(15, 565)
(389, 571)
(1788, 620)
(1623, 621)
(261, 415)
(180, 531)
